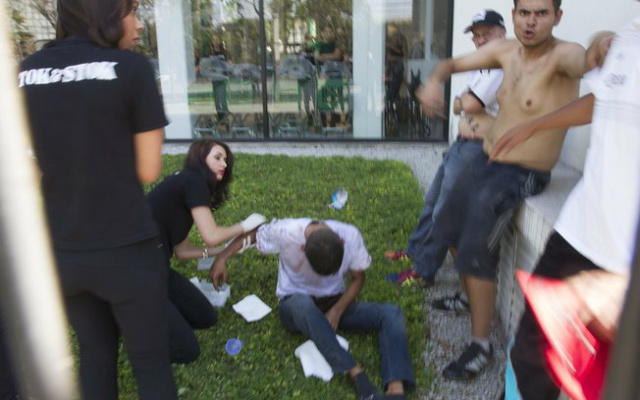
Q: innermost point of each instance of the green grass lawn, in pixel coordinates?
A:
(384, 202)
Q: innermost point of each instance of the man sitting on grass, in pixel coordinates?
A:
(314, 257)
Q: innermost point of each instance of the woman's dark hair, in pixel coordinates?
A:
(98, 20)
(196, 161)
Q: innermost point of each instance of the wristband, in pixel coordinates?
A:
(205, 253)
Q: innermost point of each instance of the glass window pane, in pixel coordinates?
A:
(324, 79)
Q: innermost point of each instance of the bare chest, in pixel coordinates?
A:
(527, 86)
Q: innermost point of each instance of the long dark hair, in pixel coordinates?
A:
(98, 20)
(196, 161)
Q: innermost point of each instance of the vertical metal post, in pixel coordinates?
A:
(263, 64)
(29, 294)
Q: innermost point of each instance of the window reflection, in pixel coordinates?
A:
(314, 78)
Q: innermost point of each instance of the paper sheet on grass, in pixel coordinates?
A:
(251, 308)
(313, 363)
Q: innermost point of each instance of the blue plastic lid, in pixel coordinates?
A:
(233, 346)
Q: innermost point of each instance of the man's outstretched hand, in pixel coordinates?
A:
(598, 50)
(430, 97)
(218, 272)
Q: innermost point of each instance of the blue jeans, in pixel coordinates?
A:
(299, 313)
(426, 251)
(478, 209)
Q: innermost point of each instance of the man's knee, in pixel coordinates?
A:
(392, 315)
(206, 319)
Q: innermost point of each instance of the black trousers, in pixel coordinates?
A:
(189, 309)
(112, 292)
(8, 379)
(560, 260)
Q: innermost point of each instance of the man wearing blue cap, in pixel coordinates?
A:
(477, 106)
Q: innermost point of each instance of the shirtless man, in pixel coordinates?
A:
(541, 74)
(477, 106)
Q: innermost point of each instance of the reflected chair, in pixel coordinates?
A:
(333, 95)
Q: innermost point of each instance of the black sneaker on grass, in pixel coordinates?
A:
(470, 364)
(452, 303)
(365, 389)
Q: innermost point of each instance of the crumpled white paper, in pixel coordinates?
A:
(313, 363)
(251, 308)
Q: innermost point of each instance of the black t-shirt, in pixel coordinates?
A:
(171, 202)
(84, 104)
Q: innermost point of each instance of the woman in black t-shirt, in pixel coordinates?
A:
(179, 201)
(97, 123)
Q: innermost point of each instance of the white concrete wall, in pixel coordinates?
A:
(581, 19)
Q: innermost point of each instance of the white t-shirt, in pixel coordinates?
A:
(483, 85)
(600, 216)
(285, 237)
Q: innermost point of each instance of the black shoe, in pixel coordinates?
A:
(452, 303)
(470, 364)
(386, 397)
(364, 387)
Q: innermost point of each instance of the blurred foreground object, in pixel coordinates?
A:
(29, 295)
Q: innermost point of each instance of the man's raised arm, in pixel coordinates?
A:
(487, 57)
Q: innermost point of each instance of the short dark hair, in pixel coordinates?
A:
(98, 20)
(556, 4)
(196, 162)
(324, 250)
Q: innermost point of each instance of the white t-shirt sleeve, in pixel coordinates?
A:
(485, 86)
(269, 237)
(360, 258)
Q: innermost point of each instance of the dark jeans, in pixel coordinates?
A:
(112, 292)
(189, 309)
(478, 209)
(300, 313)
(560, 260)
(425, 250)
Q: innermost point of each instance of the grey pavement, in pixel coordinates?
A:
(449, 333)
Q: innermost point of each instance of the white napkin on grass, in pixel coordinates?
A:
(313, 363)
(251, 308)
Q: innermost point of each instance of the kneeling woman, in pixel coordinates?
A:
(179, 201)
